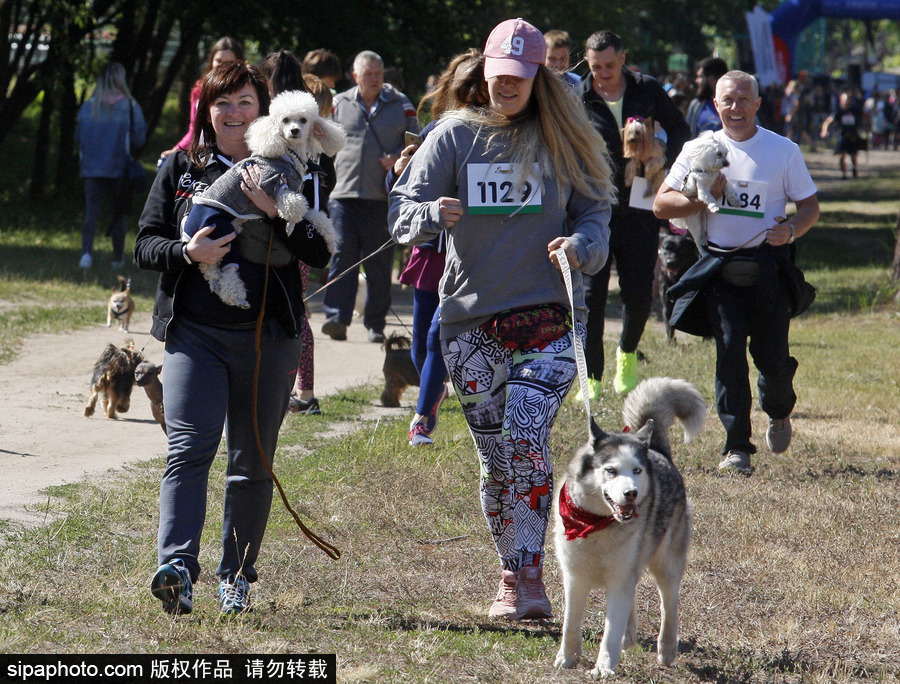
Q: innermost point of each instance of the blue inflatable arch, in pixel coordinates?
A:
(792, 16)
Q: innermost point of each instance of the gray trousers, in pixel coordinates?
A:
(208, 379)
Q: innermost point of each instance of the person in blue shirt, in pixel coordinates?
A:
(110, 126)
(702, 115)
(559, 49)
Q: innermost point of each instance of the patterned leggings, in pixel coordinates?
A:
(510, 400)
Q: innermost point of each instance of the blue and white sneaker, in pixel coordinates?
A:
(172, 585)
(234, 595)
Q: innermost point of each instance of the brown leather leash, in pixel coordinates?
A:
(329, 550)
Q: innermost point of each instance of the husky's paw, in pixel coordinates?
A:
(667, 659)
(565, 660)
(713, 208)
(601, 672)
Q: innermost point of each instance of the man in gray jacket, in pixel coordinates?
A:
(375, 117)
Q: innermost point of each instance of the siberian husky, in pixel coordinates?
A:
(622, 508)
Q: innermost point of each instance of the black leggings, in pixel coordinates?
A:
(634, 243)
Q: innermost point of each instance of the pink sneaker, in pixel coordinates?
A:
(531, 598)
(419, 434)
(504, 606)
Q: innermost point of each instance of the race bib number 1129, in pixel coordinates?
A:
(492, 190)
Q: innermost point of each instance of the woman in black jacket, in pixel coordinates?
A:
(212, 376)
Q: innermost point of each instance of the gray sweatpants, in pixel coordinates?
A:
(207, 384)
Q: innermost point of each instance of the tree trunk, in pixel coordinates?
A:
(67, 159)
(42, 147)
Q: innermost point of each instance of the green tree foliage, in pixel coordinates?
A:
(160, 43)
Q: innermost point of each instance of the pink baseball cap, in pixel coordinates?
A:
(514, 48)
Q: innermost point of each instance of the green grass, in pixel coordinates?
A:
(792, 575)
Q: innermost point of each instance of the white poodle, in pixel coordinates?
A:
(707, 156)
(281, 145)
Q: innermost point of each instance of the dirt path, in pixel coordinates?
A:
(45, 439)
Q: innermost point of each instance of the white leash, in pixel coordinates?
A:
(580, 362)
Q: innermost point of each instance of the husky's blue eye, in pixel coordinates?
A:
(611, 471)
(638, 471)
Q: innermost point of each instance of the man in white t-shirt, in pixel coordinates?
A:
(750, 260)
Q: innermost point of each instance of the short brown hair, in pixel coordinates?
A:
(556, 39)
(225, 79)
(605, 39)
(321, 63)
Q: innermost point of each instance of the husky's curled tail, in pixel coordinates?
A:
(662, 400)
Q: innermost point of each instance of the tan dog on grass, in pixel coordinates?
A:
(121, 305)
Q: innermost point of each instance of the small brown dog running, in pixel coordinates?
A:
(644, 154)
(113, 379)
(399, 370)
(146, 375)
(121, 305)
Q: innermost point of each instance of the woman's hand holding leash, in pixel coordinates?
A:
(568, 248)
(451, 210)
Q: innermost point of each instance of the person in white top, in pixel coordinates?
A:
(748, 283)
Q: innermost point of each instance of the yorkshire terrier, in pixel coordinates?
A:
(121, 305)
(399, 370)
(644, 154)
(146, 375)
(113, 379)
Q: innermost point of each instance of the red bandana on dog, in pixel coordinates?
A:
(578, 522)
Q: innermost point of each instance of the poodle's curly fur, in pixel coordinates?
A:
(707, 156)
(294, 126)
(292, 130)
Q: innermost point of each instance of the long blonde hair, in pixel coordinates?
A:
(111, 81)
(554, 132)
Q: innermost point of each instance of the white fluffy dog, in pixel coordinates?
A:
(707, 157)
(282, 145)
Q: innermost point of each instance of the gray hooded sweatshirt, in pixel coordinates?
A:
(497, 252)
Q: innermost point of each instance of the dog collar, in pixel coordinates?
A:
(578, 522)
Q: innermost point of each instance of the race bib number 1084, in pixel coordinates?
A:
(492, 190)
(751, 200)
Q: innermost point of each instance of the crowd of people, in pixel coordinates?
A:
(522, 162)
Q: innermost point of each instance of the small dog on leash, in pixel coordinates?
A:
(677, 253)
(282, 145)
(113, 379)
(644, 154)
(146, 375)
(399, 370)
(121, 305)
(623, 509)
(707, 156)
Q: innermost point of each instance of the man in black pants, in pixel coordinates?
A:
(613, 94)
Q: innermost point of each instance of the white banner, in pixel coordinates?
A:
(759, 25)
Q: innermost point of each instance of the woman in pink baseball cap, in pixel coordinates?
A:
(510, 184)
